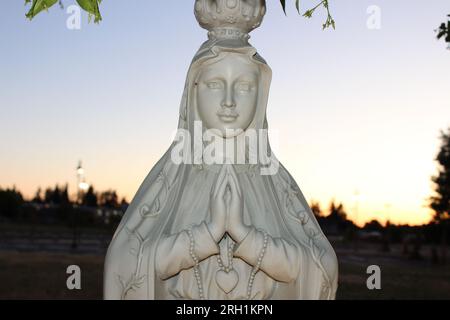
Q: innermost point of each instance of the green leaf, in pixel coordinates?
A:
(37, 6)
(308, 14)
(297, 5)
(283, 5)
(91, 7)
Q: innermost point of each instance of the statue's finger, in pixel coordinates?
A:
(223, 184)
(233, 188)
(235, 180)
(234, 185)
(220, 177)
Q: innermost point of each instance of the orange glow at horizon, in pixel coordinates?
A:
(360, 211)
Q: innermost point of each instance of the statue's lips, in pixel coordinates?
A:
(228, 117)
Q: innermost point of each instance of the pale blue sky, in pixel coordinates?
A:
(353, 108)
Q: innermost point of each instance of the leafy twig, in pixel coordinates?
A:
(90, 6)
(329, 22)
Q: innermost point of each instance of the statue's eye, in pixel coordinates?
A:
(214, 85)
(244, 86)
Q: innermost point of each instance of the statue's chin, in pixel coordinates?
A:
(228, 132)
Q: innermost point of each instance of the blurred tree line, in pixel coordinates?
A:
(54, 206)
(92, 208)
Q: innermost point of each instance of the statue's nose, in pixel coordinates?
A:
(229, 104)
(228, 101)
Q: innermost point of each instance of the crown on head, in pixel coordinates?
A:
(230, 18)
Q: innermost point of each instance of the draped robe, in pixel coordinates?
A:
(149, 255)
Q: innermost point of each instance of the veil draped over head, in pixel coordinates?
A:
(175, 196)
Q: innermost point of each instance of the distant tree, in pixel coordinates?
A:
(373, 225)
(64, 204)
(387, 237)
(48, 195)
(56, 195)
(315, 207)
(64, 195)
(338, 218)
(109, 199)
(376, 226)
(90, 198)
(124, 203)
(38, 196)
(440, 202)
(10, 203)
(444, 31)
(337, 212)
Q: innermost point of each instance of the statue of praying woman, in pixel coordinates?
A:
(219, 217)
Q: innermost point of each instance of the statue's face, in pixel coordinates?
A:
(227, 93)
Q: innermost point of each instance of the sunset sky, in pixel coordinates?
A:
(350, 110)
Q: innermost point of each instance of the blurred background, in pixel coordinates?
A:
(360, 116)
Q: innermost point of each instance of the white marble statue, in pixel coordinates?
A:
(228, 223)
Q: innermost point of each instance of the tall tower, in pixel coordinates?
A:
(82, 186)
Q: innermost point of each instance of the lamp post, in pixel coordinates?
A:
(82, 186)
